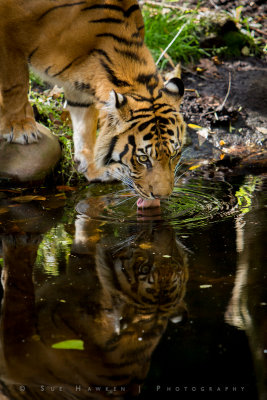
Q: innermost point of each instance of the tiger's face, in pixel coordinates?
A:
(142, 139)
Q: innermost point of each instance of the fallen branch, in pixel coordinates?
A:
(219, 108)
(258, 31)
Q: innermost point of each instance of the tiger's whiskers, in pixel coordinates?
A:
(128, 198)
(179, 177)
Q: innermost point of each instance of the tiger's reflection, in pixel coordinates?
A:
(121, 286)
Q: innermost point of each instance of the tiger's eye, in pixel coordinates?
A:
(144, 269)
(143, 158)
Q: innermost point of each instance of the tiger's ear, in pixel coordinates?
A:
(117, 108)
(116, 103)
(174, 87)
(117, 100)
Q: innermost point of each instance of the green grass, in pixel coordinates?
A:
(48, 111)
(161, 28)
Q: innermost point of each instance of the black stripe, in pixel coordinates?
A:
(47, 69)
(102, 53)
(137, 34)
(103, 6)
(131, 55)
(143, 110)
(163, 121)
(141, 191)
(141, 116)
(170, 132)
(113, 7)
(61, 6)
(149, 80)
(125, 151)
(158, 106)
(110, 150)
(137, 97)
(121, 39)
(76, 104)
(31, 54)
(5, 91)
(135, 175)
(145, 78)
(129, 128)
(112, 77)
(159, 96)
(131, 141)
(144, 125)
(107, 21)
(131, 10)
(82, 86)
(133, 125)
(169, 110)
(66, 67)
(148, 136)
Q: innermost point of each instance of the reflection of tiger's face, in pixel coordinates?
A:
(115, 296)
(151, 272)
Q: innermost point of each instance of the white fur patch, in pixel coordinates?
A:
(79, 126)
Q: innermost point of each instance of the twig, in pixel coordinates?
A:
(258, 31)
(219, 108)
(169, 45)
(193, 90)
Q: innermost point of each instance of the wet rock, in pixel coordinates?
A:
(27, 163)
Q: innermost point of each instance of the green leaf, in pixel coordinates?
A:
(69, 345)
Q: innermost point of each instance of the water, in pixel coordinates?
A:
(103, 301)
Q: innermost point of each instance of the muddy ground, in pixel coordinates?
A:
(234, 128)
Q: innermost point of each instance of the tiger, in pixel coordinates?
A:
(95, 51)
(115, 294)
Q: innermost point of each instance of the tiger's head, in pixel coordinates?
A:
(141, 137)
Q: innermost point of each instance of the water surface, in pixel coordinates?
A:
(103, 301)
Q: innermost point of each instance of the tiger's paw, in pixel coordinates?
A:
(85, 166)
(81, 161)
(99, 175)
(22, 132)
(104, 174)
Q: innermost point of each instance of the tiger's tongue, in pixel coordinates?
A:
(144, 203)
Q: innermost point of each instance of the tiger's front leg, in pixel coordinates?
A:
(84, 121)
(17, 123)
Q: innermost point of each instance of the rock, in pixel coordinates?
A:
(32, 162)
